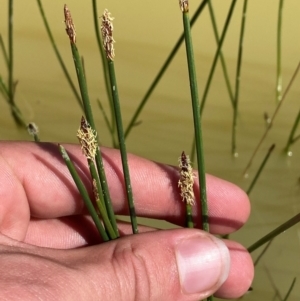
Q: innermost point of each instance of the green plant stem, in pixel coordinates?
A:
(222, 59)
(197, 121)
(189, 216)
(90, 119)
(57, 53)
(263, 252)
(84, 193)
(288, 224)
(217, 54)
(10, 53)
(105, 117)
(5, 56)
(161, 72)
(100, 203)
(260, 169)
(238, 78)
(292, 138)
(16, 113)
(290, 290)
(272, 119)
(4, 89)
(105, 70)
(118, 118)
(278, 69)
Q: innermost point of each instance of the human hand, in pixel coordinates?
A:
(50, 250)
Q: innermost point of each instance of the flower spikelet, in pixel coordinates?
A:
(107, 34)
(184, 5)
(186, 181)
(87, 139)
(70, 27)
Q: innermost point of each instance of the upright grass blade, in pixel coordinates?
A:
(11, 86)
(238, 78)
(84, 193)
(214, 64)
(184, 6)
(5, 56)
(217, 54)
(70, 29)
(162, 70)
(278, 67)
(265, 249)
(260, 169)
(105, 71)
(58, 56)
(292, 139)
(222, 59)
(3, 89)
(290, 290)
(272, 119)
(107, 30)
(288, 224)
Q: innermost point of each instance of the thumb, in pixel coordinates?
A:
(182, 264)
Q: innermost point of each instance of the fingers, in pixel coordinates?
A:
(182, 264)
(241, 272)
(45, 184)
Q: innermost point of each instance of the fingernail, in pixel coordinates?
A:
(203, 264)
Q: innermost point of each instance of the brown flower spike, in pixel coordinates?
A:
(107, 37)
(186, 181)
(184, 5)
(87, 139)
(70, 27)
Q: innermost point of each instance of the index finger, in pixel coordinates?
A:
(38, 177)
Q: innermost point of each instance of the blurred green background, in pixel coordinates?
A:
(145, 32)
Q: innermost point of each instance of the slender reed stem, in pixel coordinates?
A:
(223, 63)
(263, 252)
(278, 69)
(238, 78)
(161, 72)
(3, 89)
(107, 122)
(10, 53)
(292, 137)
(70, 29)
(105, 71)
(288, 224)
(5, 56)
(290, 290)
(272, 119)
(260, 169)
(196, 112)
(11, 87)
(58, 56)
(122, 146)
(214, 64)
(84, 193)
(108, 40)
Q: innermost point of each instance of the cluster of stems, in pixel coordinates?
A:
(100, 208)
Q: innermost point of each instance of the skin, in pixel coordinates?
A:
(49, 248)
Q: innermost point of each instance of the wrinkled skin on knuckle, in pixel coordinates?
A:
(132, 270)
